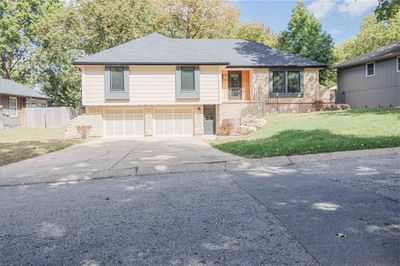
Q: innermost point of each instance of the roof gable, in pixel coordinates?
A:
(156, 49)
(13, 88)
(384, 52)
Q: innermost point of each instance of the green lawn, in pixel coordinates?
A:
(289, 134)
(22, 143)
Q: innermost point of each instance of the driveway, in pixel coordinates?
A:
(107, 157)
(281, 215)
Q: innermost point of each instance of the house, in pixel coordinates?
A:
(13, 98)
(372, 79)
(157, 86)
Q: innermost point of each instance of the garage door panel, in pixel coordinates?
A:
(109, 125)
(128, 122)
(119, 125)
(173, 121)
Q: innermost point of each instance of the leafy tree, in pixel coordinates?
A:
(82, 28)
(18, 30)
(194, 19)
(305, 37)
(373, 34)
(257, 32)
(387, 9)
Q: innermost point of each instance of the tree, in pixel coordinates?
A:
(373, 34)
(194, 19)
(82, 28)
(257, 32)
(387, 9)
(305, 37)
(18, 30)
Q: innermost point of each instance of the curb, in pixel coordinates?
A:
(223, 165)
(123, 172)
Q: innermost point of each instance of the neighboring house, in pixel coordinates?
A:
(157, 86)
(13, 98)
(372, 79)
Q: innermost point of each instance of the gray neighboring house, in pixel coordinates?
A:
(14, 97)
(372, 79)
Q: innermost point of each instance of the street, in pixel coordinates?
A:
(339, 212)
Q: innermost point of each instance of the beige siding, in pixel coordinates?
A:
(149, 85)
(92, 85)
(152, 84)
(209, 84)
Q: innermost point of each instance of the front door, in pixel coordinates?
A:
(209, 119)
(235, 85)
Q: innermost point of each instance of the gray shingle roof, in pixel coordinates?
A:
(156, 49)
(387, 51)
(13, 88)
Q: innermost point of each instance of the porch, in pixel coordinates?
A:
(236, 85)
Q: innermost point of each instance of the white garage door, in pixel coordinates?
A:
(121, 123)
(173, 122)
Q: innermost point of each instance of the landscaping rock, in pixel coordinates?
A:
(244, 130)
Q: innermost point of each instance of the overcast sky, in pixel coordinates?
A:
(341, 18)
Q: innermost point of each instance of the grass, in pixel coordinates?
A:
(22, 143)
(319, 132)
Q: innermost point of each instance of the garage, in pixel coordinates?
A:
(124, 123)
(173, 122)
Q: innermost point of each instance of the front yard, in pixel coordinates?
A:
(22, 143)
(290, 134)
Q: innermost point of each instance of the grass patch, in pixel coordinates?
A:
(320, 132)
(22, 143)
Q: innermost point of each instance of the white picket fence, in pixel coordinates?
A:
(49, 117)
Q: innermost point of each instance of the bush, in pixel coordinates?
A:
(318, 104)
(83, 130)
(343, 106)
(226, 128)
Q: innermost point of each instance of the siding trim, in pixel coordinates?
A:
(116, 95)
(187, 94)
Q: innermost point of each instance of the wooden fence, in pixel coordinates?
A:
(50, 117)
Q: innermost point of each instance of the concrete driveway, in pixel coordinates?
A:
(118, 157)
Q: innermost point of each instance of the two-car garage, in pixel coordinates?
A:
(166, 121)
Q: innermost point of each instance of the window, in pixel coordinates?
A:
(286, 82)
(187, 82)
(398, 64)
(370, 69)
(117, 79)
(13, 107)
(188, 79)
(116, 82)
(293, 81)
(278, 81)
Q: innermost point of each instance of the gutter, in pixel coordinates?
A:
(78, 63)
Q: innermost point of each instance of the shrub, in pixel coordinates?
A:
(318, 104)
(343, 106)
(83, 130)
(226, 128)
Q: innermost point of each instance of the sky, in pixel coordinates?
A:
(341, 18)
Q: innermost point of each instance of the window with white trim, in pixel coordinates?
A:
(370, 70)
(13, 107)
